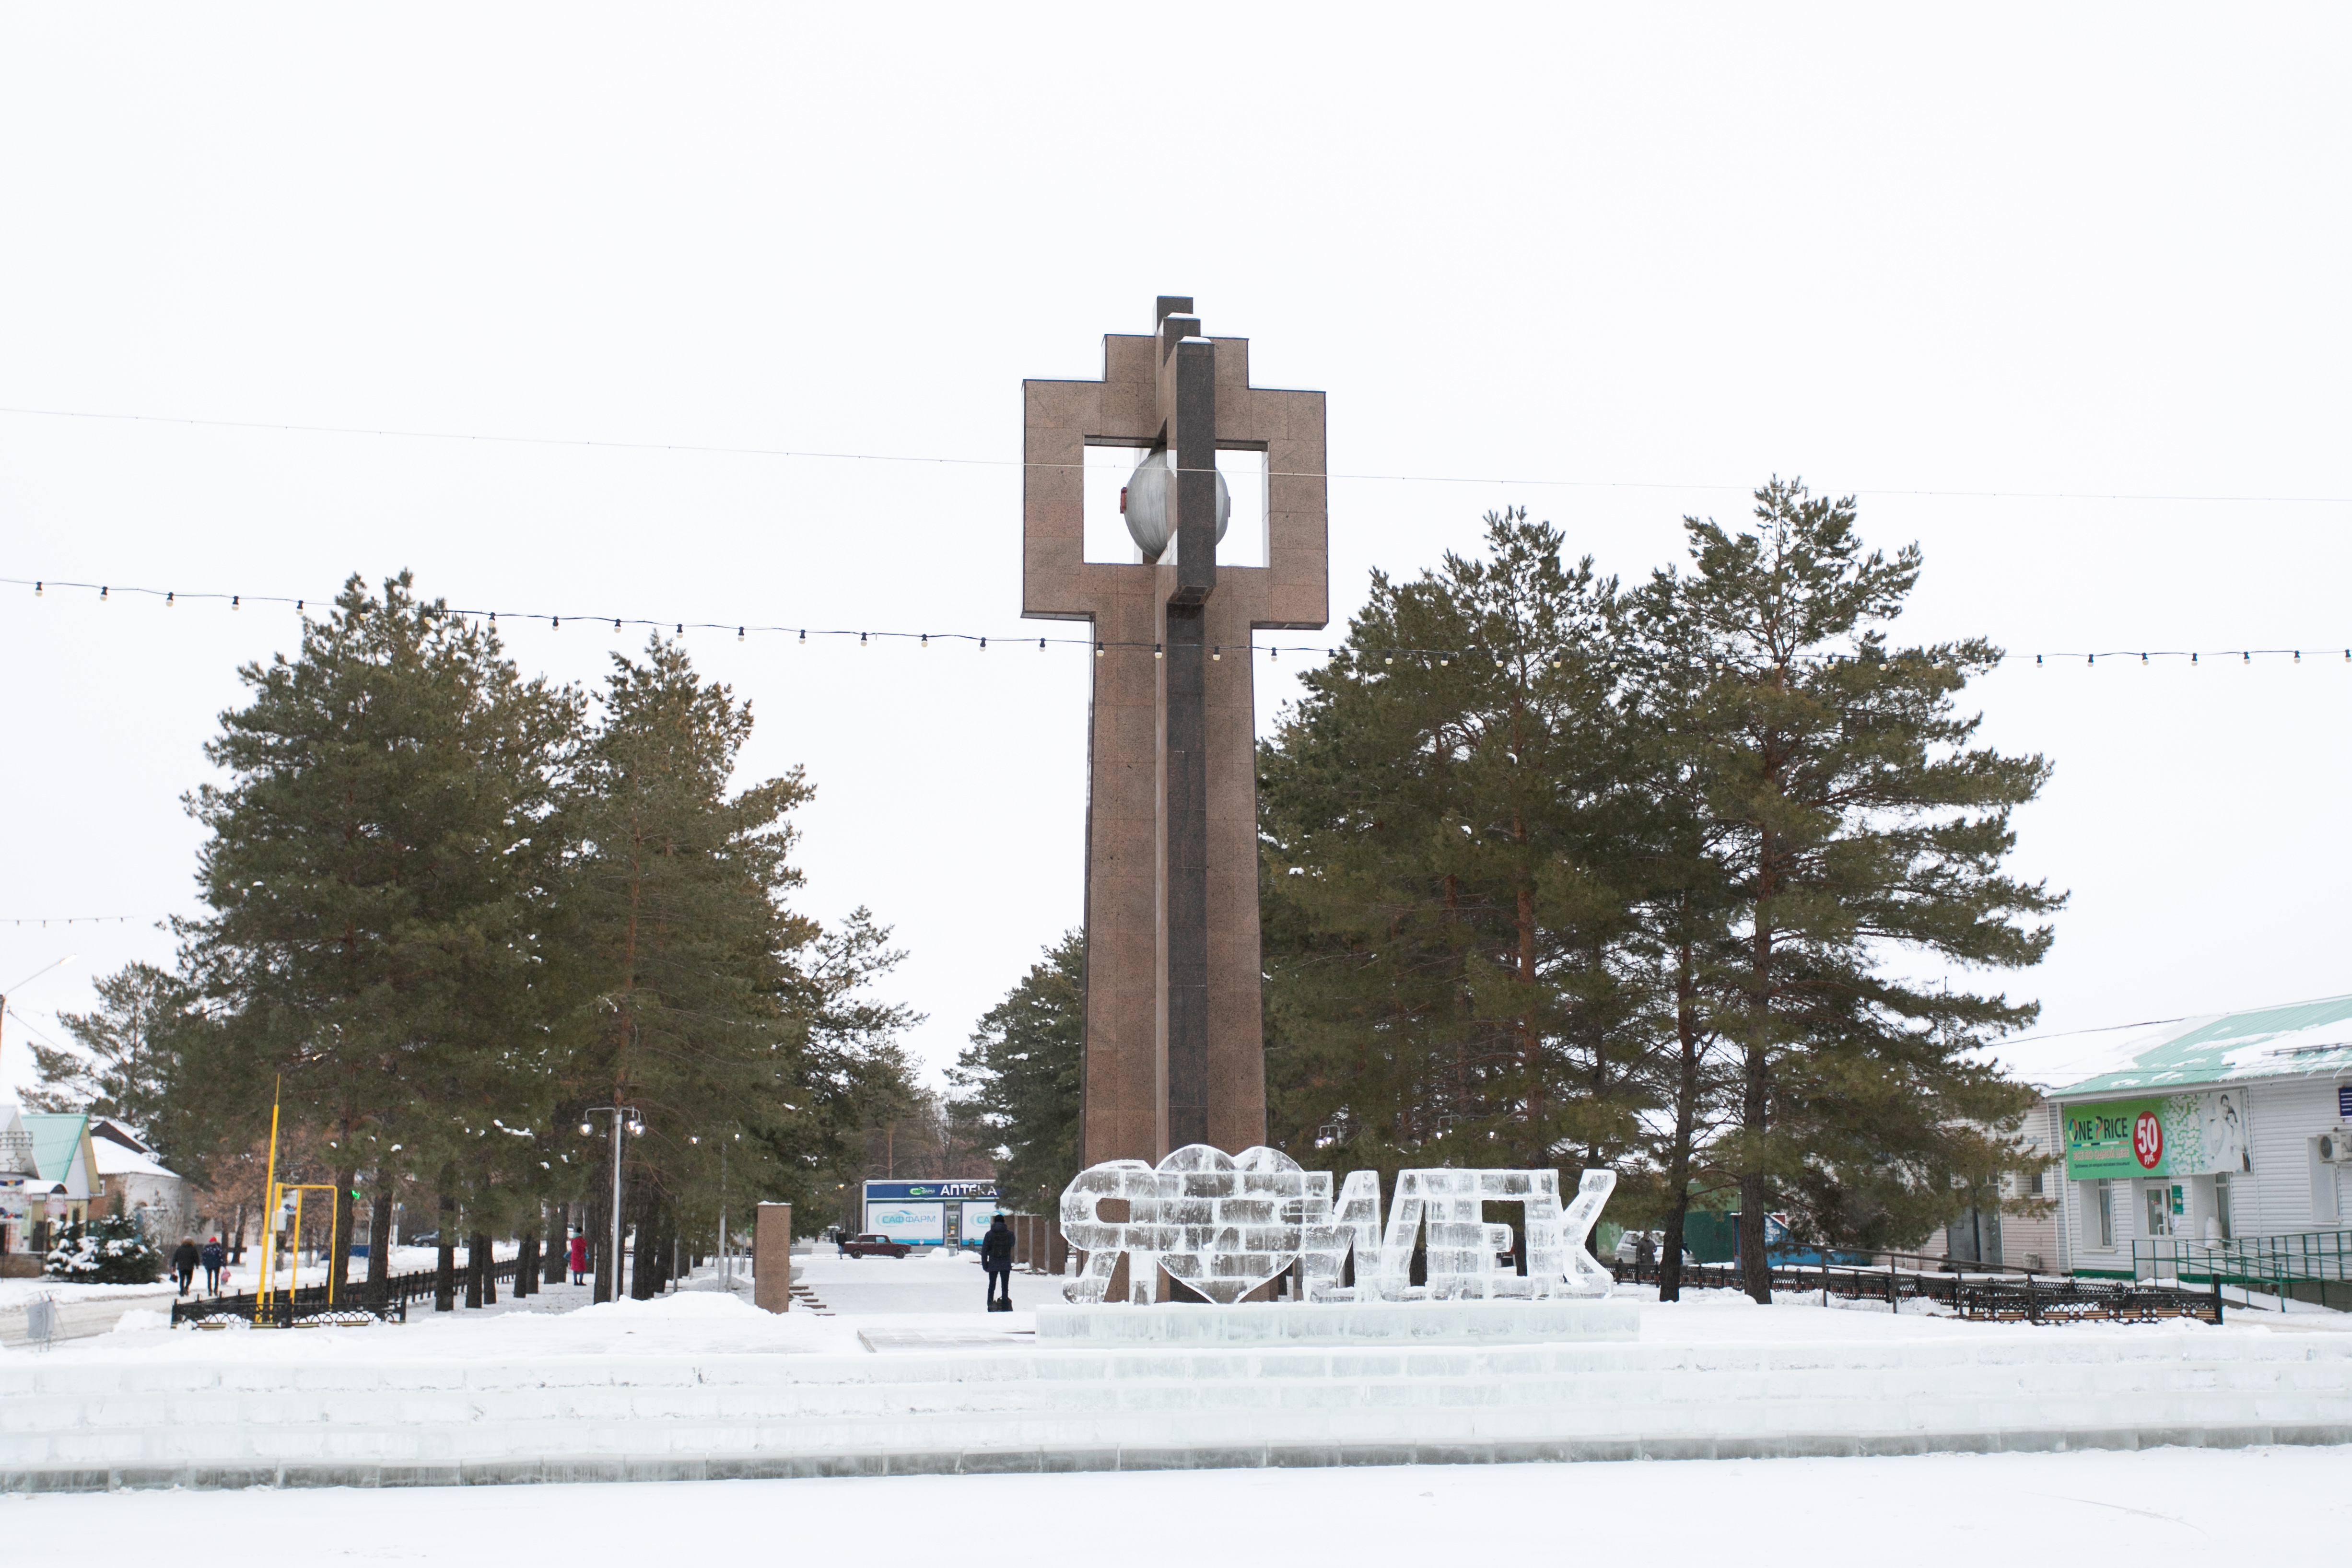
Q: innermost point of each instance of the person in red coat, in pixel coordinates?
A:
(578, 1259)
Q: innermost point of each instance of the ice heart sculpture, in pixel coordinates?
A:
(1221, 1224)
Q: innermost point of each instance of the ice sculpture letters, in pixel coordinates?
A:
(1225, 1224)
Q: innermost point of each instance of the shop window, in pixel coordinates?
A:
(2107, 1213)
(2159, 1216)
(2221, 1203)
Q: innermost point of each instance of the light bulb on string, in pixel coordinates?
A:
(555, 622)
(861, 639)
(738, 634)
(616, 626)
(983, 645)
(927, 639)
(804, 634)
(1217, 654)
(36, 590)
(1098, 648)
(681, 629)
(168, 599)
(1041, 647)
(101, 595)
(1155, 650)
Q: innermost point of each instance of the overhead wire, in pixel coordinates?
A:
(722, 450)
(866, 636)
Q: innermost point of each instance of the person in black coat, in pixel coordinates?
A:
(183, 1263)
(214, 1258)
(996, 1261)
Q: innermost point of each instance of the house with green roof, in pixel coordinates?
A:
(67, 1177)
(2213, 1128)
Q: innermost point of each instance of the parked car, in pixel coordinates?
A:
(1628, 1247)
(875, 1247)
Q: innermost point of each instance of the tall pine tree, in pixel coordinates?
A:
(1018, 1080)
(1840, 820)
(1441, 816)
(371, 861)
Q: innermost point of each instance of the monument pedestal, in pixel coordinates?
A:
(1185, 1325)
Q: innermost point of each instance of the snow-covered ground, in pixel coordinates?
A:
(937, 1300)
(2157, 1505)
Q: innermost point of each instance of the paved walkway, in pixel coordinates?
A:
(81, 1319)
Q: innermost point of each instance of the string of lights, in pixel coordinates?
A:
(712, 448)
(45, 920)
(108, 593)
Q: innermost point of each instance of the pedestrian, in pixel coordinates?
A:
(183, 1263)
(1646, 1253)
(996, 1262)
(214, 1258)
(579, 1257)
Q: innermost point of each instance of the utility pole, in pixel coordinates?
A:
(622, 1116)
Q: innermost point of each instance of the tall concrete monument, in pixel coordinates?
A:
(1174, 1051)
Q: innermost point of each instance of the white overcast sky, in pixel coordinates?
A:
(1984, 265)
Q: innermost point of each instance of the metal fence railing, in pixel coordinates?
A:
(2312, 1266)
(1972, 1290)
(387, 1302)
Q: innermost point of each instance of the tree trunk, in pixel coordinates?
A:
(378, 1270)
(559, 1233)
(641, 1277)
(526, 1279)
(339, 1267)
(473, 1270)
(488, 1267)
(1755, 1268)
(445, 1267)
(1678, 1156)
(600, 1248)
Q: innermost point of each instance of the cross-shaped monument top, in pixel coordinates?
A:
(1174, 1051)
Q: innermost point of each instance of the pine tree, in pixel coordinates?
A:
(692, 992)
(1846, 818)
(121, 1066)
(371, 869)
(1442, 822)
(1018, 1080)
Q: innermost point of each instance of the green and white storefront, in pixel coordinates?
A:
(2204, 1136)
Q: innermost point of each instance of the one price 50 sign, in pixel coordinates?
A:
(2120, 1137)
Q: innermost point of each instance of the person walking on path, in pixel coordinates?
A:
(579, 1257)
(996, 1262)
(215, 1258)
(183, 1263)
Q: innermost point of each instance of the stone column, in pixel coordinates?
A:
(772, 1258)
(1174, 1048)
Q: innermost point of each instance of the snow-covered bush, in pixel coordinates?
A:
(107, 1251)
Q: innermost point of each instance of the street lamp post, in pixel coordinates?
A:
(622, 1116)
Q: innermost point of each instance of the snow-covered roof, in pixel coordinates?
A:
(114, 1160)
(2298, 1040)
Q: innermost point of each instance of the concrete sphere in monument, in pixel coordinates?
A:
(1146, 501)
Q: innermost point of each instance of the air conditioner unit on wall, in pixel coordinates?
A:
(2336, 1146)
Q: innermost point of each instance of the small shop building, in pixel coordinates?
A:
(2206, 1129)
